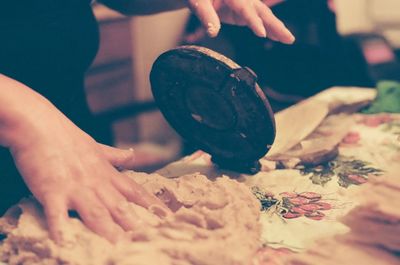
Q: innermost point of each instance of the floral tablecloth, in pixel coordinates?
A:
(304, 202)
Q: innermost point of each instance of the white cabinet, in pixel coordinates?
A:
(382, 16)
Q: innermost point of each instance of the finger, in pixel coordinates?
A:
(137, 194)
(56, 211)
(247, 11)
(120, 158)
(273, 25)
(205, 11)
(95, 215)
(119, 207)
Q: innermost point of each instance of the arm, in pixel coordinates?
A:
(273, 2)
(65, 168)
(18, 107)
(144, 7)
(147, 7)
(252, 13)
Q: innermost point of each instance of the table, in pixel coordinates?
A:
(325, 151)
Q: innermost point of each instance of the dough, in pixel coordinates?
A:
(214, 222)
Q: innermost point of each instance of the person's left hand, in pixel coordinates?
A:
(252, 13)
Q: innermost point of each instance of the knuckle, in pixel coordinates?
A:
(240, 8)
(120, 211)
(97, 212)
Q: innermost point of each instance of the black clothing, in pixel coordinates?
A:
(48, 45)
(313, 63)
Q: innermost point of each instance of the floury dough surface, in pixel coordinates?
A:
(214, 222)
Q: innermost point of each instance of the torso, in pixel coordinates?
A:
(47, 43)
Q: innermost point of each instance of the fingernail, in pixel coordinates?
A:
(131, 153)
(212, 30)
(289, 38)
(160, 211)
(262, 32)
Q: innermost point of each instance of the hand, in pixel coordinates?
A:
(252, 13)
(67, 170)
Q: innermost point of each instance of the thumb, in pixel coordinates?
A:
(119, 158)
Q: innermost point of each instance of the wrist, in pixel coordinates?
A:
(25, 122)
(22, 111)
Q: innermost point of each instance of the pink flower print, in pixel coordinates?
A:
(376, 120)
(351, 138)
(311, 195)
(298, 201)
(298, 210)
(290, 215)
(357, 179)
(311, 207)
(324, 206)
(316, 215)
(306, 204)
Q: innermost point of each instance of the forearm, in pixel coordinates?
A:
(144, 7)
(272, 3)
(20, 109)
(147, 7)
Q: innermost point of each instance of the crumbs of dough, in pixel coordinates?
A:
(206, 213)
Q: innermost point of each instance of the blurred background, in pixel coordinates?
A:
(340, 42)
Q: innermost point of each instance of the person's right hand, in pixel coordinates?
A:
(67, 170)
(252, 13)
